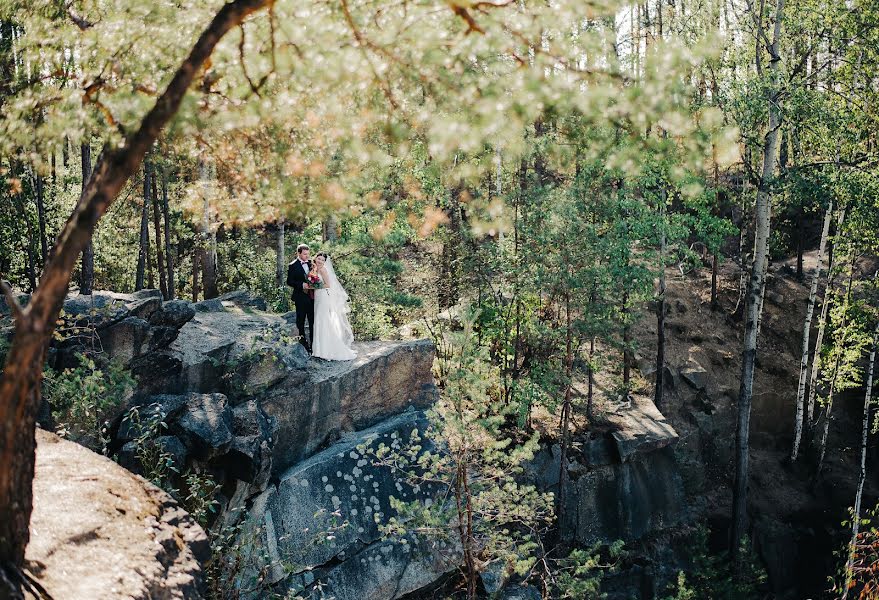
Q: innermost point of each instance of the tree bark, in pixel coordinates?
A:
(169, 259)
(660, 312)
(144, 244)
(763, 211)
(862, 474)
(566, 412)
(627, 342)
(41, 216)
(87, 274)
(807, 326)
(208, 240)
(157, 230)
(828, 409)
(280, 257)
(822, 326)
(34, 324)
(330, 226)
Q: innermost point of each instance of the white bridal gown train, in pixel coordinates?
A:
(333, 336)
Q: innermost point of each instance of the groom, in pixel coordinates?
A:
(303, 297)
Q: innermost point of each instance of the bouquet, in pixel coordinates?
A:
(314, 280)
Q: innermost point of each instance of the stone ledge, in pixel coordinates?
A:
(640, 428)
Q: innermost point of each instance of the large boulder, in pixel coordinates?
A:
(315, 405)
(640, 428)
(174, 313)
(97, 531)
(205, 425)
(318, 531)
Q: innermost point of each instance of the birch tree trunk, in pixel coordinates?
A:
(763, 211)
(828, 409)
(807, 327)
(822, 327)
(862, 474)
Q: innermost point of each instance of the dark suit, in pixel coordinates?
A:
(302, 299)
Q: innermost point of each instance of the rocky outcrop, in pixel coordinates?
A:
(318, 403)
(239, 399)
(317, 532)
(97, 531)
(239, 396)
(624, 482)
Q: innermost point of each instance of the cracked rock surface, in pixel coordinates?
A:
(102, 533)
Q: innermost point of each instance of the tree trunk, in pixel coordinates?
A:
(169, 260)
(144, 244)
(330, 229)
(862, 474)
(197, 260)
(566, 412)
(822, 326)
(828, 408)
(801, 244)
(660, 311)
(763, 210)
(157, 230)
(627, 342)
(590, 377)
(280, 257)
(87, 275)
(807, 326)
(209, 258)
(41, 215)
(34, 324)
(714, 281)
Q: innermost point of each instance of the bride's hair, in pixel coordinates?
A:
(324, 254)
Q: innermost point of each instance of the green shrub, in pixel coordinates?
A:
(711, 575)
(83, 397)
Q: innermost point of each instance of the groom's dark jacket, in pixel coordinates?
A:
(295, 279)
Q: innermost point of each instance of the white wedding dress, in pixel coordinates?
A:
(333, 336)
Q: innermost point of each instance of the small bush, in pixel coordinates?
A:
(82, 398)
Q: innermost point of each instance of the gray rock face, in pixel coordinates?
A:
(622, 484)
(695, 376)
(625, 500)
(126, 339)
(174, 313)
(319, 403)
(319, 528)
(206, 423)
(640, 428)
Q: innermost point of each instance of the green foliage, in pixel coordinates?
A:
(83, 397)
(579, 575)
(195, 491)
(475, 463)
(857, 561)
(710, 576)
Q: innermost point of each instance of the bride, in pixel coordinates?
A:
(333, 337)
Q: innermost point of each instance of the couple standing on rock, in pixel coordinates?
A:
(321, 299)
